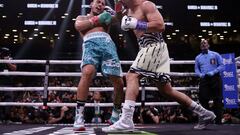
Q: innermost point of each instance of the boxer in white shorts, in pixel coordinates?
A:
(152, 62)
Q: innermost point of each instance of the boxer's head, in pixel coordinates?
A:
(97, 6)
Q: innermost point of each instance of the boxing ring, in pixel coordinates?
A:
(52, 129)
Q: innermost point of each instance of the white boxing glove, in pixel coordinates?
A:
(110, 10)
(128, 23)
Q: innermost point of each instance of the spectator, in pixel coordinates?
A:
(52, 119)
(230, 119)
(149, 115)
(6, 81)
(94, 114)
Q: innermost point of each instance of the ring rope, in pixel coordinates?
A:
(177, 62)
(20, 73)
(74, 74)
(74, 88)
(79, 61)
(101, 89)
(87, 104)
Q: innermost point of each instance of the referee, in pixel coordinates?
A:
(208, 65)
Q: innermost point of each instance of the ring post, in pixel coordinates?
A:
(45, 89)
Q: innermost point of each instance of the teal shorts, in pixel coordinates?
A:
(99, 50)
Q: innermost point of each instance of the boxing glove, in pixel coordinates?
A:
(110, 10)
(103, 18)
(129, 22)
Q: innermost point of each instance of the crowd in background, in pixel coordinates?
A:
(97, 114)
(143, 114)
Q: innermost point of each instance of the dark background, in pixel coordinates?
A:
(183, 44)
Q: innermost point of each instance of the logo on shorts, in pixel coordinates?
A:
(111, 63)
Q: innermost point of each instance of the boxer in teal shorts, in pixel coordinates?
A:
(99, 51)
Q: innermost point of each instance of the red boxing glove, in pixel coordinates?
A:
(94, 20)
(103, 18)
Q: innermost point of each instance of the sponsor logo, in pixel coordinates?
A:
(227, 61)
(111, 63)
(230, 101)
(212, 61)
(227, 74)
(229, 87)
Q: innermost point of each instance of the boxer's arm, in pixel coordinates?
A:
(155, 22)
(82, 23)
(86, 23)
(117, 14)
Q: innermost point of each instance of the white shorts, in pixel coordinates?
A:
(153, 58)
